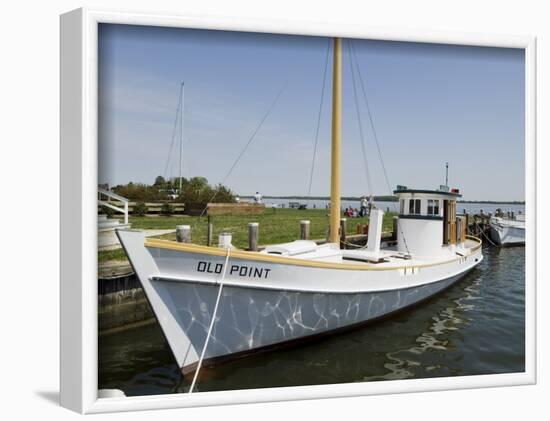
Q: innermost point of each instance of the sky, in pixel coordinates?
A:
(430, 104)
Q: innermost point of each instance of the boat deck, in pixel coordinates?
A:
(307, 253)
(505, 222)
(386, 257)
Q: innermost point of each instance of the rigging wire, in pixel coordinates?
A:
(319, 120)
(264, 118)
(174, 130)
(352, 48)
(364, 91)
(361, 135)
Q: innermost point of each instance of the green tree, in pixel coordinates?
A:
(223, 194)
(195, 190)
(140, 192)
(198, 192)
(160, 182)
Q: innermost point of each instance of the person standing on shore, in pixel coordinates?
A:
(364, 204)
(258, 197)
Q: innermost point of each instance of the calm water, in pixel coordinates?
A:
(475, 327)
(472, 208)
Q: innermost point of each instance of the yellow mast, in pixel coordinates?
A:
(336, 140)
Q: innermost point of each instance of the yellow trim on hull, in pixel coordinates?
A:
(253, 255)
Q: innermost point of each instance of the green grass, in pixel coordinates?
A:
(276, 226)
(108, 255)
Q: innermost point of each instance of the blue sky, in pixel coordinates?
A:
(430, 104)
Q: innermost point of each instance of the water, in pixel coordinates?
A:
(475, 327)
(472, 208)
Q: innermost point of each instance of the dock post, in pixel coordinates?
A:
(209, 233)
(304, 230)
(358, 228)
(253, 236)
(183, 233)
(343, 233)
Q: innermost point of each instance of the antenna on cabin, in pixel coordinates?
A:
(446, 174)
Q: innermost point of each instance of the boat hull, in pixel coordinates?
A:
(266, 302)
(252, 319)
(506, 235)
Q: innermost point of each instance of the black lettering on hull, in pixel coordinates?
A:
(240, 270)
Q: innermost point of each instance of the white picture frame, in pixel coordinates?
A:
(79, 63)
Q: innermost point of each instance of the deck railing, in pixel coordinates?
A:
(110, 195)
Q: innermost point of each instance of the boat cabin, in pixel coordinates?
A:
(428, 221)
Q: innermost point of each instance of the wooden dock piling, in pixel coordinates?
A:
(209, 231)
(304, 230)
(478, 224)
(253, 236)
(343, 225)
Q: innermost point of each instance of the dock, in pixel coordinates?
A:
(478, 226)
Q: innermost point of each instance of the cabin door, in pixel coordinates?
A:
(445, 225)
(449, 219)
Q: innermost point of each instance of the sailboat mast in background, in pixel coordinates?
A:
(181, 137)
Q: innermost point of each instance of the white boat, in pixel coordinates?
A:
(215, 303)
(507, 232)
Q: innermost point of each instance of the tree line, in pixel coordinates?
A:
(194, 190)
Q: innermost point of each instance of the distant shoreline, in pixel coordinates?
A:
(387, 199)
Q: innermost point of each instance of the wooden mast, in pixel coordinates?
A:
(336, 140)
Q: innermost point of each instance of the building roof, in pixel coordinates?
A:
(439, 192)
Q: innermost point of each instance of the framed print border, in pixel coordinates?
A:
(79, 156)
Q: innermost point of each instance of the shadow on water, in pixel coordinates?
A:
(475, 327)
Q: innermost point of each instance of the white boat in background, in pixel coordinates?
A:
(508, 232)
(215, 303)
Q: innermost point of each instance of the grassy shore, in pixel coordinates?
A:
(276, 226)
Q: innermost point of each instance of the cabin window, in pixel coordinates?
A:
(414, 206)
(433, 207)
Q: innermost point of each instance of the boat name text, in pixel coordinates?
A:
(239, 270)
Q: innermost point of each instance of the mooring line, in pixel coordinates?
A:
(211, 322)
(485, 235)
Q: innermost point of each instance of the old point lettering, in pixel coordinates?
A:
(235, 270)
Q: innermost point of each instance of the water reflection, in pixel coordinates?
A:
(402, 364)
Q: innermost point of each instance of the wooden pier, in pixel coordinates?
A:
(478, 225)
